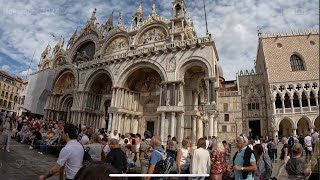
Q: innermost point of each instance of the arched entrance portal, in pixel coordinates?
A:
(66, 104)
(144, 83)
(98, 93)
(196, 97)
(285, 128)
(303, 127)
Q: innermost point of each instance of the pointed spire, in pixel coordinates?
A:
(154, 13)
(139, 10)
(93, 16)
(120, 23)
(110, 20)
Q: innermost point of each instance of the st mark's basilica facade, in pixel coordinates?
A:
(157, 75)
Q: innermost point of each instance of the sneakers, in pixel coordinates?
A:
(30, 147)
(40, 152)
(2, 148)
(8, 150)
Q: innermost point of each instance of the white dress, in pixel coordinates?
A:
(200, 161)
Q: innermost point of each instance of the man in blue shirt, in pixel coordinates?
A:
(244, 160)
(155, 156)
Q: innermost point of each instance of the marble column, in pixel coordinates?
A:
(173, 124)
(211, 124)
(181, 128)
(212, 91)
(215, 127)
(309, 105)
(115, 122)
(116, 98)
(294, 131)
(199, 129)
(173, 94)
(162, 132)
(317, 101)
(300, 103)
(110, 121)
(207, 81)
(113, 97)
(120, 124)
(291, 103)
(164, 94)
(161, 94)
(181, 95)
(283, 106)
(194, 132)
(126, 125)
(195, 103)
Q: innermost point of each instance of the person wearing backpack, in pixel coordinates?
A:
(145, 152)
(264, 165)
(71, 156)
(244, 161)
(156, 155)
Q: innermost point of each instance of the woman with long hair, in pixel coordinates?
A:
(184, 158)
(264, 165)
(217, 160)
(8, 127)
(284, 157)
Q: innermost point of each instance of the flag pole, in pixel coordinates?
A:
(205, 16)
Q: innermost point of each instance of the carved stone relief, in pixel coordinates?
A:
(117, 45)
(152, 35)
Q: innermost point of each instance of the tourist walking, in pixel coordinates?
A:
(218, 164)
(8, 126)
(70, 156)
(145, 152)
(244, 160)
(296, 166)
(201, 162)
(156, 155)
(184, 158)
(284, 157)
(264, 165)
(315, 161)
(117, 157)
(95, 148)
(308, 147)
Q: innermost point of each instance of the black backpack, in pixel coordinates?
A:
(165, 165)
(86, 156)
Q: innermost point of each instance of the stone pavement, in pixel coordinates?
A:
(24, 164)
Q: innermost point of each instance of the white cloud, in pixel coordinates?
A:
(25, 27)
(25, 73)
(5, 67)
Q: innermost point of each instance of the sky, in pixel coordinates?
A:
(26, 25)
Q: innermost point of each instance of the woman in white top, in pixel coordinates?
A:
(9, 125)
(201, 161)
(95, 147)
(183, 158)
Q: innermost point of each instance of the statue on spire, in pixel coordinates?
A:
(72, 39)
(120, 23)
(154, 13)
(46, 53)
(93, 18)
(138, 17)
(58, 46)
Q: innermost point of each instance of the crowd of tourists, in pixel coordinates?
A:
(87, 153)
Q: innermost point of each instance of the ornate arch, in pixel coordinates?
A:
(306, 118)
(126, 72)
(64, 100)
(111, 40)
(61, 69)
(293, 125)
(82, 40)
(185, 64)
(90, 78)
(152, 26)
(56, 59)
(46, 64)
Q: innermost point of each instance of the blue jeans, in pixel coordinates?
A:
(43, 145)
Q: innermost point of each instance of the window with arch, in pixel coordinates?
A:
(296, 63)
(253, 104)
